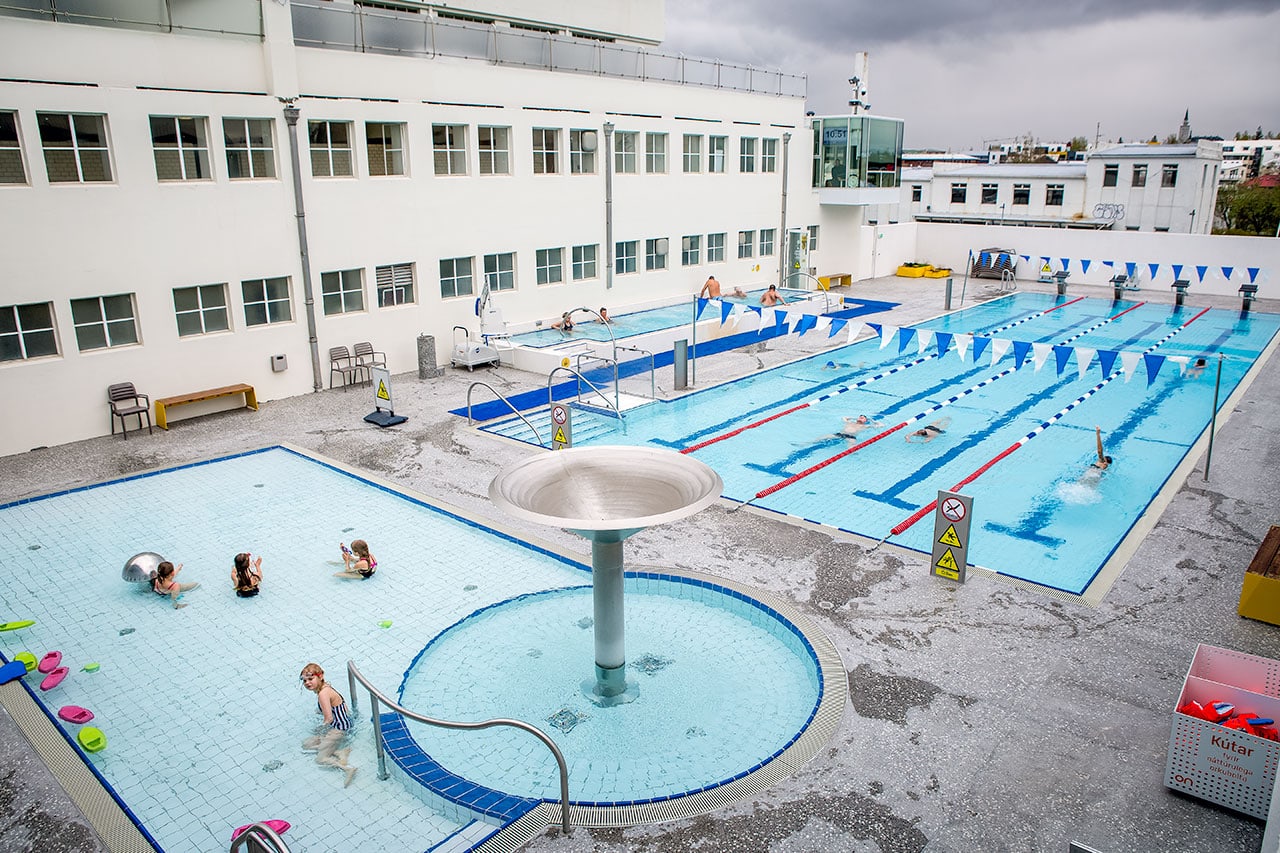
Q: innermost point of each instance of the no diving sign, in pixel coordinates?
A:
(562, 426)
(951, 536)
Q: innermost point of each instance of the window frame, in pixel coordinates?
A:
(746, 244)
(11, 147)
(392, 162)
(332, 154)
(692, 154)
(585, 268)
(990, 194)
(690, 250)
(503, 266)
(345, 293)
(624, 257)
(456, 277)
(768, 242)
(269, 303)
(23, 335)
(655, 153)
(202, 311)
(717, 147)
(1168, 175)
(747, 154)
(103, 323)
(624, 161)
(769, 154)
(582, 161)
(959, 192)
(397, 281)
(1138, 177)
(1055, 195)
(715, 247)
(179, 150)
(654, 258)
(549, 267)
(813, 238)
(1021, 195)
(917, 192)
(546, 150)
(244, 154)
(449, 149)
(79, 151)
(1110, 174)
(494, 144)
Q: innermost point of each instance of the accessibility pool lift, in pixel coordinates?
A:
(472, 354)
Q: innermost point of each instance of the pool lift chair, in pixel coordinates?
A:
(470, 353)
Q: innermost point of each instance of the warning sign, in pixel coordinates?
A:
(950, 555)
(381, 387)
(1046, 269)
(383, 393)
(563, 435)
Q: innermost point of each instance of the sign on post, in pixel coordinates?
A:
(384, 413)
(950, 556)
(561, 423)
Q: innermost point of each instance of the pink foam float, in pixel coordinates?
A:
(75, 714)
(277, 826)
(50, 662)
(54, 678)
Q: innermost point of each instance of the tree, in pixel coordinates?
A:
(1249, 210)
(1171, 139)
(1078, 143)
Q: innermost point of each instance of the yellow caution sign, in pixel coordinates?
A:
(946, 561)
(564, 362)
(946, 573)
(559, 436)
(1046, 268)
(383, 393)
(950, 538)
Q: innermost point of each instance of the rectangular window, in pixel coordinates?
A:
(1053, 194)
(266, 300)
(342, 292)
(715, 248)
(1169, 175)
(250, 148)
(455, 277)
(766, 241)
(330, 149)
(394, 283)
(768, 155)
(715, 152)
(655, 153)
(500, 271)
(917, 192)
(104, 321)
(11, 168)
(989, 192)
(582, 152)
(550, 263)
(1110, 174)
(691, 250)
(1139, 174)
(747, 154)
(692, 153)
(1021, 194)
(385, 143)
(449, 149)
(495, 150)
(958, 193)
(75, 147)
(624, 257)
(201, 310)
(546, 145)
(746, 244)
(26, 331)
(813, 238)
(624, 153)
(655, 253)
(181, 148)
(584, 262)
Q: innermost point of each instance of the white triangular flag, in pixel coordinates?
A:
(887, 333)
(999, 346)
(1129, 363)
(1040, 352)
(924, 337)
(1084, 357)
(962, 342)
(1181, 361)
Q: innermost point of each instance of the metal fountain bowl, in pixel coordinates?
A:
(606, 488)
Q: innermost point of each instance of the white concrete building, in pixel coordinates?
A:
(151, 218)
(1239, 155)
(1156, 187)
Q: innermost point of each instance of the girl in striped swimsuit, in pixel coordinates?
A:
(337, 722)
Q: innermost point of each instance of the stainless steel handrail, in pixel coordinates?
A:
(826, 290)
(653, 385)
(264, 835)
(498, 394)
(577, 359)
(376, 695)
(551, 400)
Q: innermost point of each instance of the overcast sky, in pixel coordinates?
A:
(963, 71)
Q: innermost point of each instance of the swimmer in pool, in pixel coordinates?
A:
(1103, 462)
(853, 426)
(929, 431)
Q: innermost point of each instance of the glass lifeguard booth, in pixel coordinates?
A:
(857, 159)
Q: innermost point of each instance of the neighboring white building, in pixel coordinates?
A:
(148, 200)
(1156, 187)
(1238, 156)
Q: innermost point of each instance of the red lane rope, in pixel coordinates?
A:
(723, 436)
(824, 463)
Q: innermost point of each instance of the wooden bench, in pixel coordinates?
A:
(163, 403)
(840, 279)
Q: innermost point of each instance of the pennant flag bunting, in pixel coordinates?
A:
(822, 324)
(1061, 356)
(768, 317)
(1066, 263)
(1039, 354)
(904, 338)
(999, 346)
(1253, 274)
(702, 304)
(1181, 361)
(779, 320)
(1084, 266)
(1020, 350)
(1084, 357)
(1107, 358)
(855, 329)
(979, 347)
(1227, 271)
(1177, 271)
(1200, 271)
(1129, 268)
(943, 340)
(963, 341)
(1109, 264)
(887, 333)
(726, 308)
(1154, 363)
(1154, 268)
(836, 326)
(925, 337)
(1129, 363)
(805, 323)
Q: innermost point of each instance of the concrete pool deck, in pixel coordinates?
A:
(983, 717)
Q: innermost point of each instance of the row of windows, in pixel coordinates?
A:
(76, 149)
(100, 322)
(1054, 194)
(1138, 178)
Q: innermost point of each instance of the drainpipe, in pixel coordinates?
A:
(784, 259)
(608, 205)
(308, 297)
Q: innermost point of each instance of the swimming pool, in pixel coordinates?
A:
(202, 706)
(1035, 516)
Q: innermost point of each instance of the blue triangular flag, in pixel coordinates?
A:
(1253, 273)
(1084, 266)
(1110, 264)
(1020, 350)
(1226, 272)
(779, 320)
(1129, 267)
(1154, 268)
(875, 327)
(837, 325)
(1200, 271)
(702, 304)
(1177, 270)
(979, 347)
(805, 323)
(943, 340)
(905, 337)
(1062, 355)
(726, 308)
(1107, 358)
(1066, 263)
(1154, 363)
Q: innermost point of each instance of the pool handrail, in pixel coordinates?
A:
(577, 365)
(653, 384)
(354, 674)
(264, 835)
(826, 291)
(551, 393)
(510, 406)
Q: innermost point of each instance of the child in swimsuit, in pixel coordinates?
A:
(246, 577)
(357, 561)
(337, 723)
(166, 583)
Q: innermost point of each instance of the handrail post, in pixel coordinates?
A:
(377, 737)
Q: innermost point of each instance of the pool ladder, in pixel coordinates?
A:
(259, 838)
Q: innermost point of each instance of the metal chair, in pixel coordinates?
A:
(342, 363)
(367, 357)
(124, 400)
